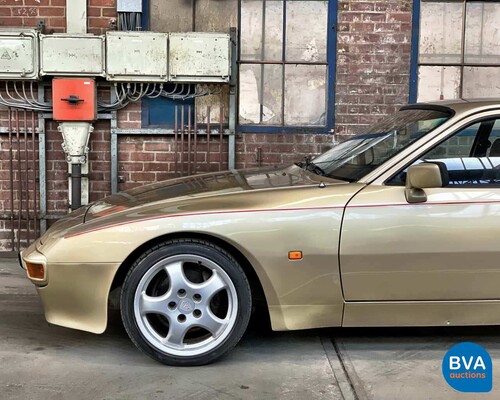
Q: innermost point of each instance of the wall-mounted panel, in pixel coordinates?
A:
(137, 56)
(199, 57)
(19, 54)
(72, 55)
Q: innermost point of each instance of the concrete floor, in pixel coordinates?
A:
(38, 361)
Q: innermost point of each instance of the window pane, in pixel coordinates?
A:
(438, 83)
(260, 94)
(482, 41)
(306, 27)
(470, 156)
(272, 95)
(274, 31)
(441, 32)
(305, 94)
(481, 82)
(251, 29)
(257, 44)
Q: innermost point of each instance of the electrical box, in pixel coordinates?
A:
(137, 56)
(19, 54)
(129, 6)
(199, 57)
(72, 55)
(74, 99)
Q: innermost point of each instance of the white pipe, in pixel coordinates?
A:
(76, 16)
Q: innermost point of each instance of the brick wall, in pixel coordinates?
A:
(372, 80)
(27, 13)
(373, 61)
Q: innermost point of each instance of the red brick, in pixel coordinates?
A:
(10, 21)
(109, 12)
(57, 22)
(51, 11)
(99, 22)
(145, 177)
(102, 3)
(142, 157)
(94, 11)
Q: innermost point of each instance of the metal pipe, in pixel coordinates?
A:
(175, 137)
(33, 160)
(42, 163)
(462, 56)
(76, 186)
(195, 150)
(28, 230)
(208, 138)
(221, 136)
(11, 169)
(182, 140)
(189, 140)
(233, 91)
(19, 187)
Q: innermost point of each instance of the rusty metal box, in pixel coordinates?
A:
(199, 57)
(18, 54)
(74, 99)
(72, 55)
(137, 56)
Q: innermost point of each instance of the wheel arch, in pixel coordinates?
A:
(258, 294)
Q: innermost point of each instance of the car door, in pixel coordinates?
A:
(447, 248)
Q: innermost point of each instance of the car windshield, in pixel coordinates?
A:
(355, 158)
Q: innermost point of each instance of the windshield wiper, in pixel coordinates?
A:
(309, 165)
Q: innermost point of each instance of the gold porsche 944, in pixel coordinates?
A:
(400, 226)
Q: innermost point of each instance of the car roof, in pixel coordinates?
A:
(461, 105)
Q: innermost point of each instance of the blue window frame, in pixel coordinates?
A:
(256, 62)
(455, 52)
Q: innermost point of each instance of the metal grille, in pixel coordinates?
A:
(189, 141)
(22, 206)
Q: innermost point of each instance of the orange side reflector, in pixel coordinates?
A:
(35, 271)
(295, 255)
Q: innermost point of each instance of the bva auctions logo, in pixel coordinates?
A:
(467, 367)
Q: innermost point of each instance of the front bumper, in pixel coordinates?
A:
(74, 295)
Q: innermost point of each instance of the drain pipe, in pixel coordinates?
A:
(76, 186)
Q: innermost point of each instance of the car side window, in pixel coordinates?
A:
(471, 156)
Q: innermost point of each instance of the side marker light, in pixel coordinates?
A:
(295, 255)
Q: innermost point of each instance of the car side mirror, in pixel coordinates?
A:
(424, 176)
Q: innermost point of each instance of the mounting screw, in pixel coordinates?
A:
(41, 25)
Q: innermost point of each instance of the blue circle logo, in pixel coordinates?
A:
(467, 367)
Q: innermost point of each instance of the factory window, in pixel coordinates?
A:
(458, 50)
(286, 59)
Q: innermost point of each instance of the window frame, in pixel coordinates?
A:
(330, 63)
(415, 47)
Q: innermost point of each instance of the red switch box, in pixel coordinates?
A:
(74, 99)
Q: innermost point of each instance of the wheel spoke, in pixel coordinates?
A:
(178, 280)
(211, 322)
(176, 333)
(153, 305)
(210, 287)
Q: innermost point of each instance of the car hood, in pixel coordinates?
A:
(206, 185)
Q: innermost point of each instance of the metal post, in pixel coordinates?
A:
(42, 170)
(233, 92)
(114, 146)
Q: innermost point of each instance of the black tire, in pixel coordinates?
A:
(193, 247)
